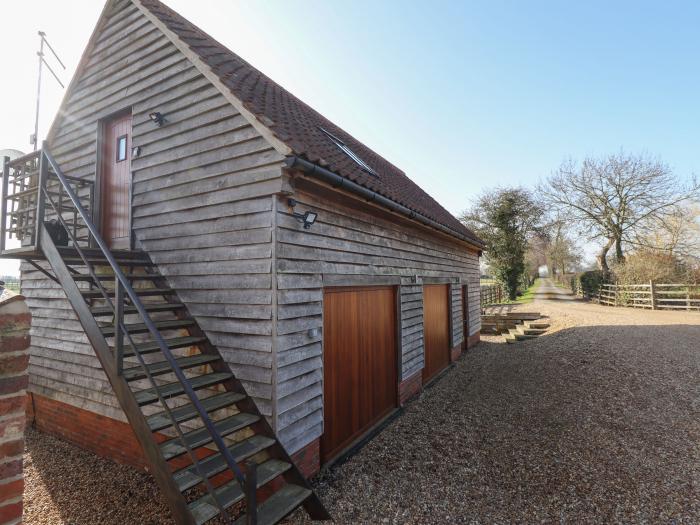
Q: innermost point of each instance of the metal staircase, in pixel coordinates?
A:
(206, 443)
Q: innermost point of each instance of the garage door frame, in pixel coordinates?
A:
(360, 439)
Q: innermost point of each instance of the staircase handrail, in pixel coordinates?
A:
(136, 302)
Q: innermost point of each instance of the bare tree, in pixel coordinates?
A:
(677, 234)
(616, 198)
(562, 253)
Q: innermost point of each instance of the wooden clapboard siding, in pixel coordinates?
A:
(201, 206)
(352, 244)
(411, 328)
(456, 322)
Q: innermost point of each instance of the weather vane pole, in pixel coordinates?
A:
(34, 138)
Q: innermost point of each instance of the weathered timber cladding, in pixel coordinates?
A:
(207, 206)
(351, 247)
(202, 208)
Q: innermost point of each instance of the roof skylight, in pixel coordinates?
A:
(350, 153)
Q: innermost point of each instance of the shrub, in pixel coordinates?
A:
(587, 283)
(648, 265)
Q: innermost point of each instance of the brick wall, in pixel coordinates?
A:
(410, 387)
(14, 359)
(308, 459)
(115, 440)
(455, 353)
(473, 340)
(101, 435)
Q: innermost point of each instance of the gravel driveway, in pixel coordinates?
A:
(596, 421)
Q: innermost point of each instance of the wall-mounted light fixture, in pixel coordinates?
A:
(307, 218)
(157, 118)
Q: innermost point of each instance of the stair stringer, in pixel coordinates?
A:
(313, 504)
(158, 467)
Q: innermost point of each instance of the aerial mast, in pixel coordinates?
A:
(42, 62)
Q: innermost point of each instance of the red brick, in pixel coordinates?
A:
(99, 434)
(10, 468)
(15, 364)
(473, 340)
(11, 448)
(308, 459)
(10, 385)
(10, 513)
(14, 343)
(11, 490)
(410, 387)
(12, 426)
(16, 322)
(13, 404)
(29, 408)
(455, 353)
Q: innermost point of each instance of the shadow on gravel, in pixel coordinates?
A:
(67, 485)
(588, 424)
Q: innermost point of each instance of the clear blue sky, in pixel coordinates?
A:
(462, 96)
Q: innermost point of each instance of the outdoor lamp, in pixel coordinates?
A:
(157, 117)
(307, 218)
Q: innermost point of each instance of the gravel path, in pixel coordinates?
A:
(597, 421)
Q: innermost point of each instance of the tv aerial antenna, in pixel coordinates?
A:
(42, 62)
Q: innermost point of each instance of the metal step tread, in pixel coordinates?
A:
(97, 294)
(70, 252)
(201, 436)
(99, 311)
(168, 390)
(229, 494)
(186, 412)
(163, 367)
(189, 476)
(279, 505)
(150, 347)
(110, 277)
(101, 261)
(136, 328)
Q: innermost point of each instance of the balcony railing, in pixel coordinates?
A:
(22, 203)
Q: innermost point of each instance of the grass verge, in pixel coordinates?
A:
(529, 295)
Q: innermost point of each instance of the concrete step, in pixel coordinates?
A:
(519, 335)
(530, 331)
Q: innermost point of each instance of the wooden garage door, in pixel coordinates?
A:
(436, 329)
(359, 362)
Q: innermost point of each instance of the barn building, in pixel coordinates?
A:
(191, 230)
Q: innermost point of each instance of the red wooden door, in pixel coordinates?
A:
(436, 329)
(115, 181)
(359, 363)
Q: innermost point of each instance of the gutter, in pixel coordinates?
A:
(335, 180)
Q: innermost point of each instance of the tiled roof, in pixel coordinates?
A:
(299, 126)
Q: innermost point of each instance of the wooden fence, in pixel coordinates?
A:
(10, 283)
(491, 294)
(653, 296)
